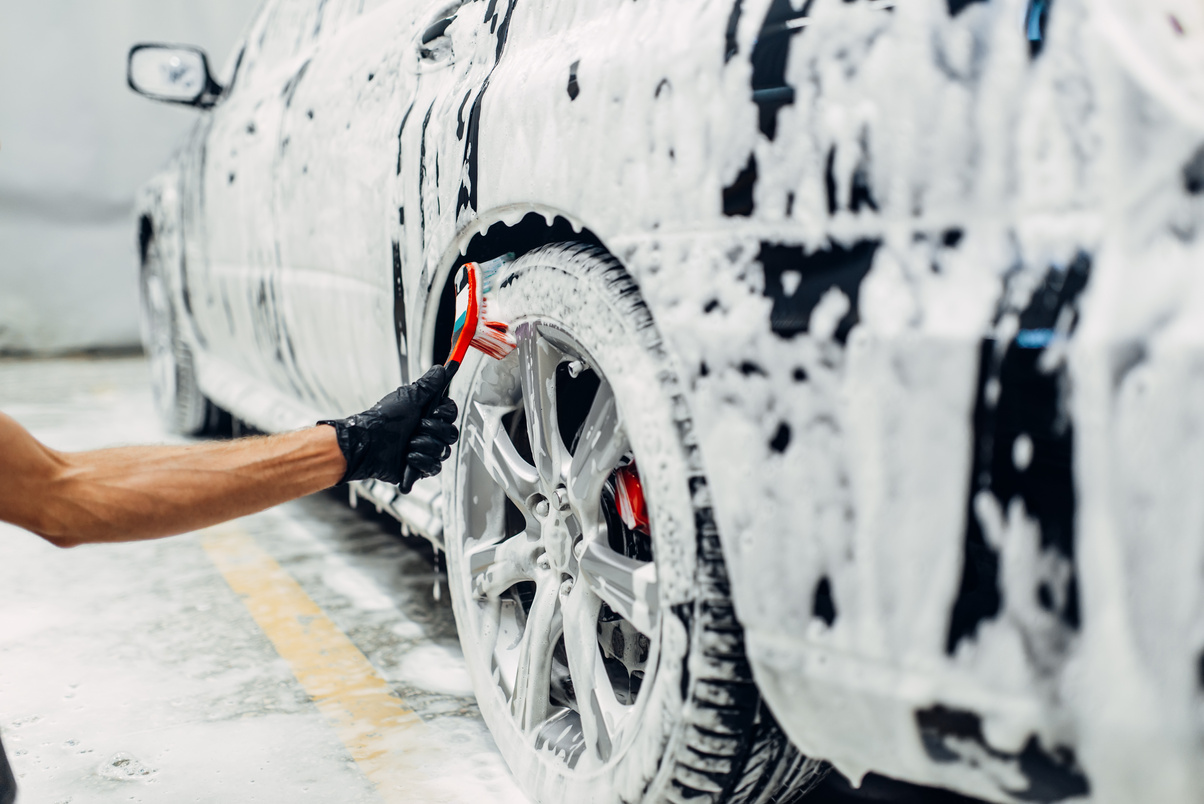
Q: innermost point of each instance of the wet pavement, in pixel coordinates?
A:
(164, 671)
(135, 672)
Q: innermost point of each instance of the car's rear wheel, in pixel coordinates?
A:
(586, 572)
(181, 405)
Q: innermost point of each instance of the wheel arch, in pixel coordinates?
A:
(515, 229)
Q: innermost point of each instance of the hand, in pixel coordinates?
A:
(399, 432)
(431, 443)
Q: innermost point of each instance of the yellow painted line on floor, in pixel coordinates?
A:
(387, 740)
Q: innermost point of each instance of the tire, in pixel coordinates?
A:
(178, 398)
(570, 614)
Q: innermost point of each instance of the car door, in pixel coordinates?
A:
(234, 291)
(337, 219)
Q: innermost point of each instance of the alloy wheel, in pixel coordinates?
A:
(564, 595)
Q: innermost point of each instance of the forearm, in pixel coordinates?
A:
(132, 493)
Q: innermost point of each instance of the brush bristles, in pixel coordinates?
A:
(494, 339)
(473, 285)
(486, 271)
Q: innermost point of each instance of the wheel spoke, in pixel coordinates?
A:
(492, 444)
(538, 360)
(599, 448)
(532, 687)
(628, 586)
(491, 627)
(497, 567)
(590, 680)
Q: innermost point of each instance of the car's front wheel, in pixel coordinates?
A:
(586, 572)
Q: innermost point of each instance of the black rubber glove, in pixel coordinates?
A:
(399, 432)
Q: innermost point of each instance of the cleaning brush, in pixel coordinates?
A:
(474, 281)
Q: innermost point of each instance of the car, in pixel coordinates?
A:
(854, 419)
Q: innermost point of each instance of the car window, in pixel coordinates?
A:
(232, 70)
(229, 75)
(284, 30)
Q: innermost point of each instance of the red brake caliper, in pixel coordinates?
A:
(629, 498)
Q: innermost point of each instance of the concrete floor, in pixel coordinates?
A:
(296, 655)
(136, 673)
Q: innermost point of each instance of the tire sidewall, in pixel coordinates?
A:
(576, 294)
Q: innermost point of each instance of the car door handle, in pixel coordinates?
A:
(435, 44)
(437, 29)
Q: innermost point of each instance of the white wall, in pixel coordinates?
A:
(75, 143)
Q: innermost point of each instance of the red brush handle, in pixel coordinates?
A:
(472, 318)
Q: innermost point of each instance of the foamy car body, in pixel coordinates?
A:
(928, 301)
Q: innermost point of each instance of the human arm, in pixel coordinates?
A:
(132, 493)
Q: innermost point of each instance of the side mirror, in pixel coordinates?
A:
(174, 74)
